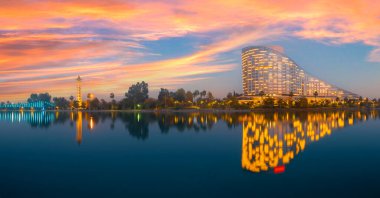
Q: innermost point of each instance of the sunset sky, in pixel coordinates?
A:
(193, 44)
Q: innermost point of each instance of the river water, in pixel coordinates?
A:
(114, 154)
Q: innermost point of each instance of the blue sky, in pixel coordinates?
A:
(172, 44)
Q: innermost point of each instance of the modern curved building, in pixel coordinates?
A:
(269, 71)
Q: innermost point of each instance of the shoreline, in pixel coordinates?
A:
(215, 110)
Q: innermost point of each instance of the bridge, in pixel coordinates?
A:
(38, 105)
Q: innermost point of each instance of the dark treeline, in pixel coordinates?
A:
(137, 97)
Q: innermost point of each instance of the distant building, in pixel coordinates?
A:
(79, 92)
(270, 72)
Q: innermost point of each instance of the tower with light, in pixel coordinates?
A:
(79, 92)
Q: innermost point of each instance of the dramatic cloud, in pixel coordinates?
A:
(45, 44)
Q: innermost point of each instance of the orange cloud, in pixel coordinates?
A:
(46, 43)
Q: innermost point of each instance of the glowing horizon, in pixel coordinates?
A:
(45, 45)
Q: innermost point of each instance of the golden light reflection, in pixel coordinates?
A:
(79, 128)
(91, 124)
(270, 142)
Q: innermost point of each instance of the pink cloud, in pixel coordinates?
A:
(45, 42)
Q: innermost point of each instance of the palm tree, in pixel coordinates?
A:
(71, 101)
(195, 94)
(315, 95)
(112, 96)
(210, 96)
(346, 100)
(203, 93)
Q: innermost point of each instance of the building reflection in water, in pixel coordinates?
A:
(40, 119)
(79, 128)
(270, 141)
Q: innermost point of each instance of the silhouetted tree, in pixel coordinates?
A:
(45, 97)
(95, 103)
(113, 101)
(150, 103)
(210, 97)
(195, 94)
(61, 102)
(203, 93)
(189, 96)
(103, 104)
(33, 98)
(229, 95)
(71, 101)
(137, 94)
(315, 95)
(346, 100)
(180, 95)
(163, 97)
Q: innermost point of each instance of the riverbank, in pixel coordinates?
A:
(319, 109)
(326, 109)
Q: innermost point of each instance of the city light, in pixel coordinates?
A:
(269, 72)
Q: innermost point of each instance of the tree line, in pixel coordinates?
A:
(137, 97)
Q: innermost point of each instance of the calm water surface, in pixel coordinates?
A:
(289, 154)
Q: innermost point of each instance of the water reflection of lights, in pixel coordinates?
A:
(36, 118)
(91, 123)
(79, 128)
(138, 117)
(271, 142)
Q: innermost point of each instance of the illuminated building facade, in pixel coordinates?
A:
(269, 71)
(79, 92)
